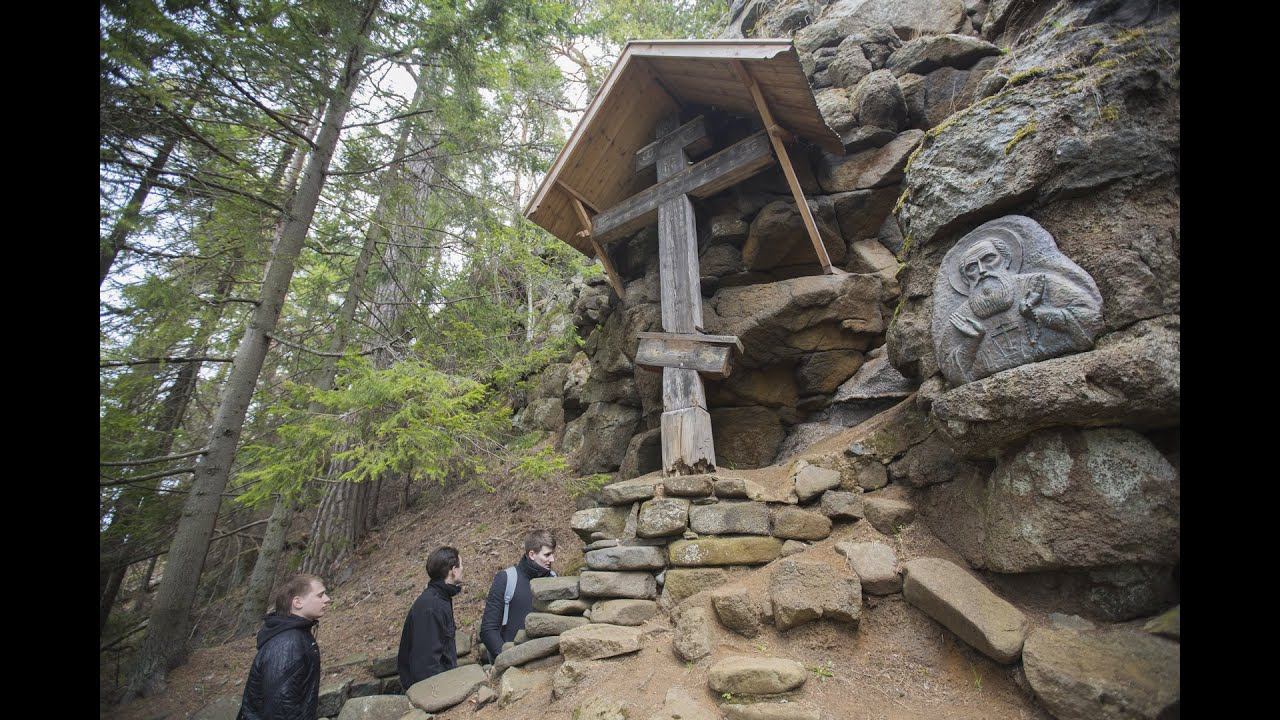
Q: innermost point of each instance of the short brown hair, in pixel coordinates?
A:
(441, 561)
(537, 539)
(294, 586)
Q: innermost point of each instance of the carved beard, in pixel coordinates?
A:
(992, 294)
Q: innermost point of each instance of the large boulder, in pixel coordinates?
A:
(745, 437)
(822, 372)
(877, 101)
(597, 640)
(813, 480)
(860, 213)
(730, 518)
(643, 455)
(802, 592)
(1105, 675)
(778, 238)
(607, 520)
(444, 690)
(926, 54)
(871, 168)
(597, 440)
(625, 492)
(787, 319)
(949, 594)
(756, 675)
(1068, 499)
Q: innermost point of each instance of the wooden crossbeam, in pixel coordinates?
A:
(710, 355)
(615, 280)
(785, 161)
(577, 195)
(708, 177)
(692, 136)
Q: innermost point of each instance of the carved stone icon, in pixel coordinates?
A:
(1005, 296)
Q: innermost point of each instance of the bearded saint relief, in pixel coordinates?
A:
(1005, 296)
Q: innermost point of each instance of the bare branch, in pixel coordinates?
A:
(141, 478)
(163, 360)
(152, 461)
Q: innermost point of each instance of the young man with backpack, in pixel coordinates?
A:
(510, 599)
(427, 643)
(284, 680)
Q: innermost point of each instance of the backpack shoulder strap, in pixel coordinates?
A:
(508, 593)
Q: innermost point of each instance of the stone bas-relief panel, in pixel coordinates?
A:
(1005, 296)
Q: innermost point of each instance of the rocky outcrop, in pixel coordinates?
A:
(1108, 675)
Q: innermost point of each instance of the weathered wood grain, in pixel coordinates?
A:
(713, 361)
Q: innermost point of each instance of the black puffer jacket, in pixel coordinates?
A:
(427, 643)
(284, 680)
(492, 632)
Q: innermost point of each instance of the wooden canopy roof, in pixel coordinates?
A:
(652, 79)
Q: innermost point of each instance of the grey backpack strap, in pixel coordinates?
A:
(553, 573)
(509, 593)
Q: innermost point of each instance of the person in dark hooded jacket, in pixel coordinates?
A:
(284, 680)
(427, 643)
(501, 619)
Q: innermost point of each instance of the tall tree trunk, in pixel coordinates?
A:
(349, 510)
(265, 568)
(165, 643)
(140, 598)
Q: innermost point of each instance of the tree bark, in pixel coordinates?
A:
(264, 569)
(165, 643)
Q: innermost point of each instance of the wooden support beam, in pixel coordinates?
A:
(785, 160)
(577, 196)
(708, 177)
(615, 280)
(713, 361)
(692, 136)
(697, 337)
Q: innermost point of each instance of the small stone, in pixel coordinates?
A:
(627, 492)
(692, 637)
(623, 612)
(562, 607)
(567, 677)
(738, 611)
(756, 675)
(949, 594)
(598, 708)
(377, 707)
(769, 711)
(595, 583)
(730, 518)
(598, 544)
(383, 666)
(1167, 624)
(685, 582)
(517, 683)
(546, 589)
(485, 695)
(365, 688)
(332, 696)
(663, 516)
(798, 524)
(680, 705)
(687, 485)
(737, 488)
(888, 514)
(538, 625)
(792, 547)
(875, 564)
(597, 640)
(842, 505)
(811, 480)
(446, 689)
(521, 637)
(802, 592)
(607, 521)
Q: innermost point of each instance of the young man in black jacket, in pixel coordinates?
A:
(539, 553)
(427, 644)
(284, 680)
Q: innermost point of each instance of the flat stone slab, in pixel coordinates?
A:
(680, 705)
(756, 675)
(223, 708)
(949, 594)
(597, 583)
(887, 514)
(1107, 675)
(681, 583)
(688, 485)
(875, 564)
(769, 711)
(538, 625)
(746, 550)
(811, 480)
(562, 607)
(383, 666)
(660, 517)
(379, 707)
(798, 524)
(598, 640)
(737, 488)
(525, 652)
(629, 491)
(627, 557)
(802, 592)
(730, 518)
(444, 690)
(548, 589)
(623, 612)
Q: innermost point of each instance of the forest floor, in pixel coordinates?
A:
(896, 664)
